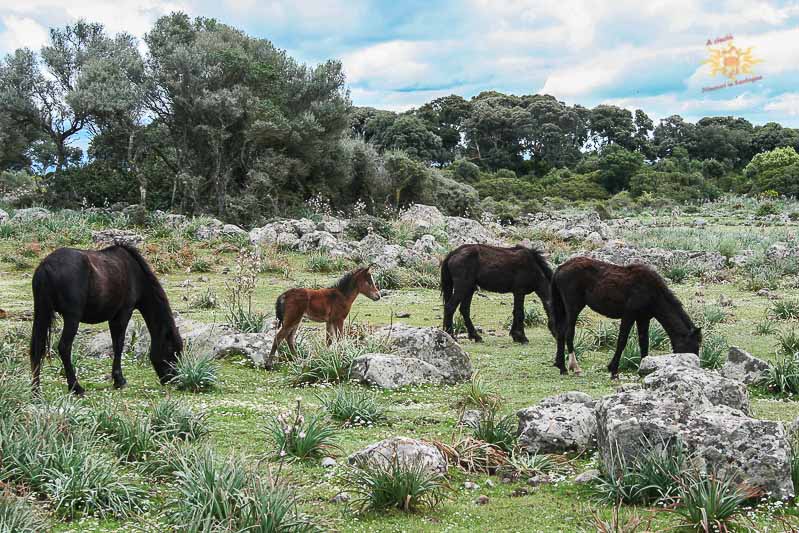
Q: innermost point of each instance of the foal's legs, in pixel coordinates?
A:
(65, 351)
(573, 364)
(449, 310)
(118, 325)
(624, 334)
(466, 305)
(517, 327)
(643, 336)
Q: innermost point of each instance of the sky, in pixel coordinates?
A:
(399, 54)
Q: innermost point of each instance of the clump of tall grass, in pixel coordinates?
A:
(713, 352)
(782, 375)
(353, 407)
(196, 371)
(787, 309)
(240, 290)
(17, 516)
(494, 429)
(480, 395)
(711, 503)
(174, 420)
(388, 278)
(323, 263)
(206, 300)
(328, 364)
(408, 486)
(294, 435)
(788, 342)
(765, 326)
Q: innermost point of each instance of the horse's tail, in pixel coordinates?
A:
(43, 311)
(280, 309)
(447, 286)
(558, 308)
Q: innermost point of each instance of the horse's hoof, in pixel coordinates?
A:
(122, 383)
(564, 372)
(77, 390)
(614, 377)
(477, 338)
(578, 372)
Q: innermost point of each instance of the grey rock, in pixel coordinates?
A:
(263, 236)
(30, 214)
(393, 372)
(566, 422)
(327, 462)
(481, 500)
(341, 497)
(375, 249)
(470, 418)
(302, 226)
(209, 230)
(422, 216)
(587, 477)
(467, 231)
(470, 485)
(287, 240)
(333, 225)
(230, 230)
(109, 237)
(316, 241)
(744, 367)
(652, 363)
(254, 346)
(175, 221)
(407, 452)
(690, 384)
(3, 217)
(432, 346)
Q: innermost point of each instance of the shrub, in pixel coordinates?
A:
(713, 352)
(327, 364)
(605, 334)
(677, 272)
(509, 188)
(200, 265)
(294, 435)
(464, 171)
(174, 420)
(478, 394)
(782, 375)
(709, 503)
(499, 431)
(272, 508)
(240, 290)
(785, 309)
(353, 406)
(788, 342)
(206, 300)
(387, 278)
(767, 208)
(323, 263)
(132, 437)
(523, 465)
(393, 484)
(196, 371)
(16, 516)
(631, 355)
(765, 326)
(452, 197)
(658, 338)
(713, 315)
(360, 226)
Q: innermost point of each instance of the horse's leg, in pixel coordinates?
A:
(281, 334)
(118, 325)
(65, 351)
(570, 332)
(331, 332)
(291, 340)
(621, 343)
(643, 336)
(560, 355)
(517, 328)
(449, 310)
(466, 305)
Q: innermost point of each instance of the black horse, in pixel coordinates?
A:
(634, 293)
(93, 286)
(518, 270)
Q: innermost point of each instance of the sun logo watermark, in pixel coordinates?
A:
(730, 61)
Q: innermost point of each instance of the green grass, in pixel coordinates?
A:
(236, 409)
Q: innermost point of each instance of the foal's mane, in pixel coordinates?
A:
(675, 302)
(346, 283)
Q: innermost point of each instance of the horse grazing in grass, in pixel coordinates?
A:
(93, 286)
(633, 293)
(331, 305)
(518, 270)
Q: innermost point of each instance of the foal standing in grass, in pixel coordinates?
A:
(634, 293)
(331, 305)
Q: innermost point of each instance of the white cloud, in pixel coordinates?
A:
(786, 103)
(21, 32)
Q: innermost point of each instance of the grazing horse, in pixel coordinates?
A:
(331, 305)
(518, 270)
(633, 293)
(93, 286)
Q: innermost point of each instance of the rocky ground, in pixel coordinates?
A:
(726, 421)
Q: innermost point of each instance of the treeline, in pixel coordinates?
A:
(212, 120)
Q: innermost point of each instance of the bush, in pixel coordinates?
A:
(359, 227)
(132, 437)
(393, 484)
(327, 364)
(708, 503)
(782, 375)
(16, 516)
(464, 171)
(452, 197)
(353, 406)
(788, 342)
(490, 428)
(389, 278)
(294, 435)
(509, 188)
(323, 263)
(174, 420)
(713, 352)
(785, 309)
(196, 371)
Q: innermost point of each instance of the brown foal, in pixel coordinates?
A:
(331, 305)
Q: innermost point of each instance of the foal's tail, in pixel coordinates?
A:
(280, 309)
(558, 309)
(42, 319)
(447, 287)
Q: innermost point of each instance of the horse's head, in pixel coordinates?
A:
(366, 284)
(688, 343)
(165, 352)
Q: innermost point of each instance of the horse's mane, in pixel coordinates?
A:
(158, 290)
(346, 283)
(539, 258)
(671, 298)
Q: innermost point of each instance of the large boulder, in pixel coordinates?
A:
(467, 231)
(316, 241)
(393, 372)
(333, 225)
(727, 442)
(375, 249)
(302, 226)
(109, 237)
(209, 230)
(254, 346)
(231, 230)
(3, 217)
(422, 216)
(716, 438)
(175, 220)
(692, 384)
(566, 422)
(744, 367)
(653, 363)
(404, 450)
(424, 250)
(621, 254)
(431, 345)
(30, 214)
(287, 240)
(263, 236)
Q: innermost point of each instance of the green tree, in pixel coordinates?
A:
(616, 166)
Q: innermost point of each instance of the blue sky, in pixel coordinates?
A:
(401, 54)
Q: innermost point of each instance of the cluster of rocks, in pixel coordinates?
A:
(418, 356)
(780, 251)
(621, 253)
(708, 413)
(109, 237)
(572, 228)
(216, 228)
